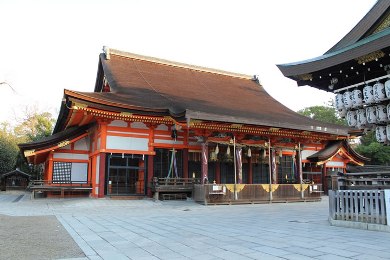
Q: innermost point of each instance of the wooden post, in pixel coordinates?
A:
(150, 173)
(102, 174)
(185, 163)
(250, 171)
(218, 172)
(204, 162)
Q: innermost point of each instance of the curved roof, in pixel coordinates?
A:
(360, 56)
(140, 84)
(332, 148)
(39, 149)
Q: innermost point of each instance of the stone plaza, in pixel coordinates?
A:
(148, 229)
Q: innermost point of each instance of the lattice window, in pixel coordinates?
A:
(62, 172)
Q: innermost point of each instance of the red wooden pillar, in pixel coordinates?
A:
(102, 157)
(102, 174)
(50, 167)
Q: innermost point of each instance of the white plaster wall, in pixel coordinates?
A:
(79, 172)
(139, 125)
(74, 156)
(81, 145)
(127, 143)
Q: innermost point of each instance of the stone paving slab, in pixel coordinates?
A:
(147, 229)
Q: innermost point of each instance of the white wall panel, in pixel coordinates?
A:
(73, 156)
(127, 143)
(79, 172)
(81, 145)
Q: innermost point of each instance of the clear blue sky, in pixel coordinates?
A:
(48, 46)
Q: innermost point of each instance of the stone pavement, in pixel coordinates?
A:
(144, 229)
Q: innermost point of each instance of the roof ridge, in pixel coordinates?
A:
(108, 51)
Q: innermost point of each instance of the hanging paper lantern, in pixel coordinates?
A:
(249, 152)
(388, 112)
(361, 118)
(217, 150)
(357, 98)
(343, 113)
(371, 115)
(381, 113)
(379, 91)
(351, 118)
(213, 157)
(347, 99)
(228, 150)
(388, 132)
(368, 94)
(339, 102)
(387, 88)
(380, 134)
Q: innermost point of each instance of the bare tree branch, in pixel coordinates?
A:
(6, 83)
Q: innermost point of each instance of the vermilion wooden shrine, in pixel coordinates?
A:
(151, 122)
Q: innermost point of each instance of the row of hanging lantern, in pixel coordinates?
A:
(368, 108)
(228, 155)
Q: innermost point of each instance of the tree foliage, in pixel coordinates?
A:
(8, 152)
(323, 113)
(370, 148)
(34, 126)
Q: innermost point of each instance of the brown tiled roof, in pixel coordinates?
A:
(141, 83)
(52, 141)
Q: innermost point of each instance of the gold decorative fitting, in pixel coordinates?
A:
(370, 57)
(79, 105)
(63, 143)
(305, 77)
(236, 125)
(274, 129)
(28, 153)
(126, 114)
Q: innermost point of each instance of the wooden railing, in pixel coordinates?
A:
(175, 181)
(369, 206)
(255, 193)
(59, 188)
(39, 183)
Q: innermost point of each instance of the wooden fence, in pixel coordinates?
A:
(255, 193)
(366, 206)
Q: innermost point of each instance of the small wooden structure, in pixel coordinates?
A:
(56, 189)
(173, 188)
(15, 180)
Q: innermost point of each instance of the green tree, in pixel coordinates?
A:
(8, 152)
(34, 126)
(370, 148)
(323, 113)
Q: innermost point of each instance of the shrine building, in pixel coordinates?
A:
(150, 119)
(357, 70)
